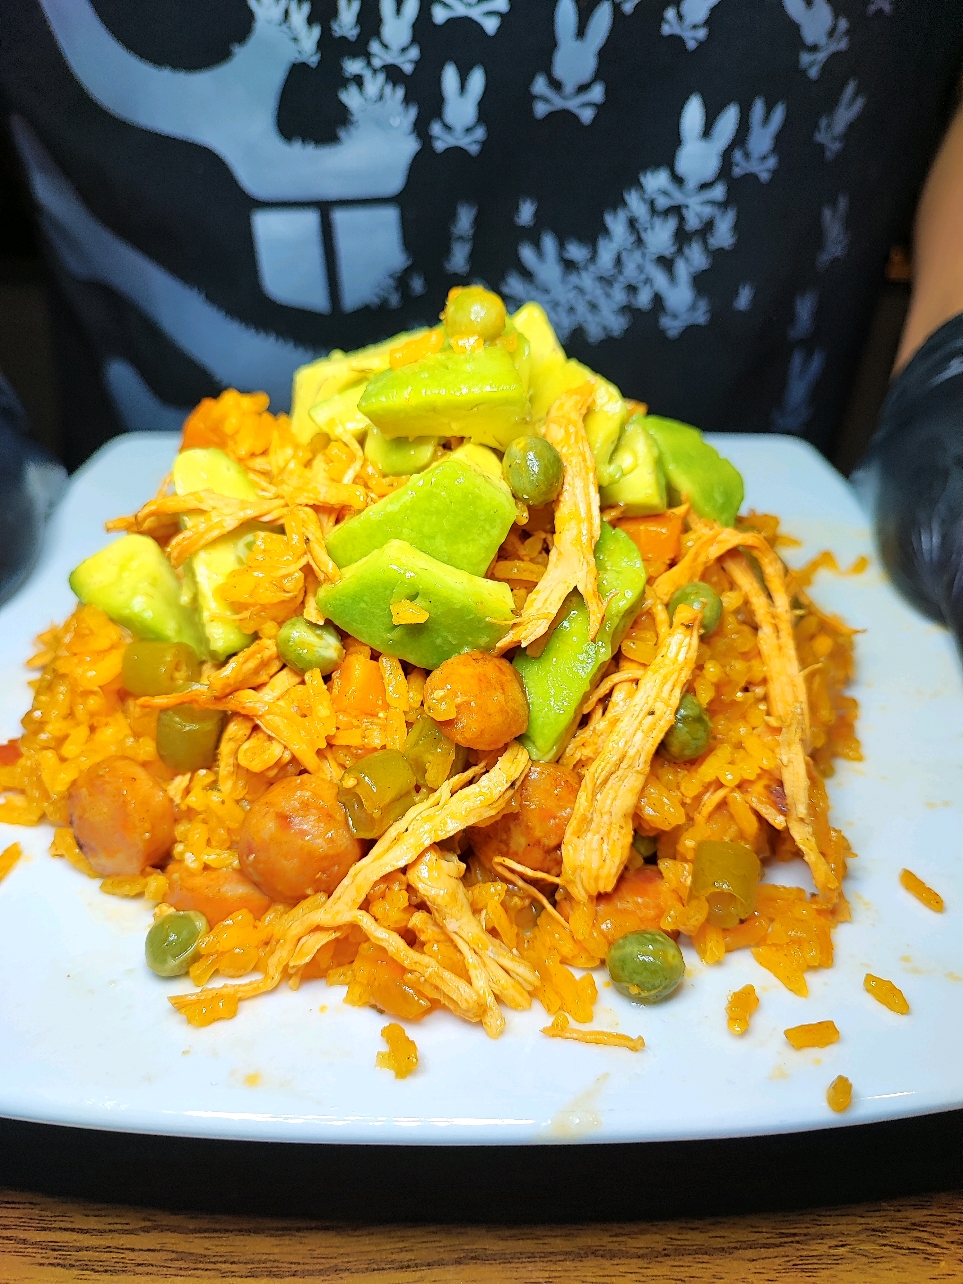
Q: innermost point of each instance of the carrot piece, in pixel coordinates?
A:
(818, 1034)
(10, 753)
(422, 345)
(916, 887)
(657, 538)
(839, 1094)
(358, 686)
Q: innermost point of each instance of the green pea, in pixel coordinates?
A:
(474, 310)
(533, 468)
(690, 733)
(187, 738)
(376, 792)
(172, 942)
(701, 597)
(645, 966)
(159, 668)
(309, 646)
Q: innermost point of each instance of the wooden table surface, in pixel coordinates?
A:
(45, 1240)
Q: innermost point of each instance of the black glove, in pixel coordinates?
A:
(30, 484)
(912, 478)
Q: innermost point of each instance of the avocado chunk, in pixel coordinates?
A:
(557, 681)
(321, 379)
(134, 583)
(695, 469)
(606, 415)
(401, 455)
(338, 415)
(210, 469)
(465, 612)
(641, 488)
(452, 512)
(476, 394)
(546, 356)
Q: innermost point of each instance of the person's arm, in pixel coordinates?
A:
(912, 476)
(937, 247)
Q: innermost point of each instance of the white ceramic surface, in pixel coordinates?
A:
(88, 1039)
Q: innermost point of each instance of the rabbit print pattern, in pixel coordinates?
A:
(487, 13)
(459, 125)
(574, 64)
(394, 46)
(831, 131)
(756, 155)
(688, 20)
(822, 31)
(641, 256)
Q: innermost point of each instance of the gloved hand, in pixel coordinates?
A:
(912, 478)
(30, 484)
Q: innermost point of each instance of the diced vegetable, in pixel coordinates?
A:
(453, 512)
(476, 394)
(646, 966)
(376, 791)
(557, 680)
(134, 583)
(430, 753)
(400, 456)
(689, 735)
(726, 876)
(533, 469)
(695, 470)
(465, 612)
(159, 668)
(187, 738)
(701, 597)
(641, 487)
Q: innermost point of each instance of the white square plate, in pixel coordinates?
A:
(88, 1039)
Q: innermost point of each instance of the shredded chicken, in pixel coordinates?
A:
(571, 563)
(560, 1029)
(599, 836)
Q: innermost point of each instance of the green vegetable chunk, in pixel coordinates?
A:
(726, 875)
(696, 469)
(159, 668)
(187, 738)
(474, 310)
(533, 469)
(207, 468)
(690, 733)
(309, 646)
(645, 966)
(402, 455)
(134, 583)
(172, 942)
(701, 597)
(465, 612)
(478, 394)
(641, 488)
(557, 681)
(453, 512)
(376, 791)
(431, 755)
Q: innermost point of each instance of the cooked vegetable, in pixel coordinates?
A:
(689, 735)
(158, 668)
(701, 597)
(122, 818)
(478, 700)
(726, 876)
(187, 737)
(307, 646)
(478, 394)
(464, 611)
(401, 456)
(376, 791)
(696, 471)
(134, 583)
(172, 942)
(533, 469)
(559, 677)
(473, 310)
(456, 512)
(430, 753)
(296, 840)
(646, 966)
